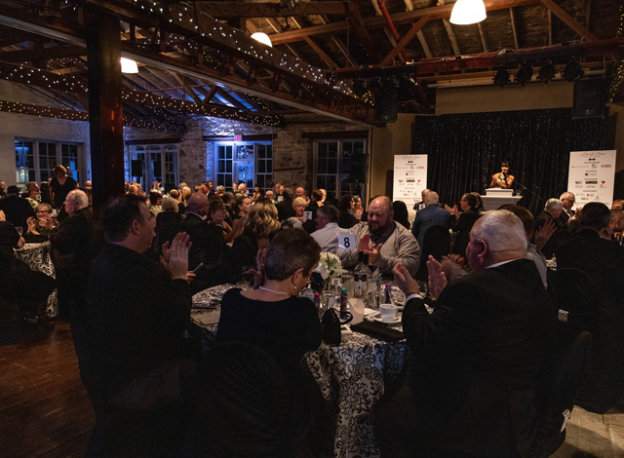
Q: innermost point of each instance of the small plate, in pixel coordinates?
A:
(397, 319)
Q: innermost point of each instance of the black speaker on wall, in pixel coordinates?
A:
(386, 106)
(590, 97)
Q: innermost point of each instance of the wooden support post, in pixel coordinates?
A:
(105, 104)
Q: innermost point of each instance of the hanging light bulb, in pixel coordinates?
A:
(129, 66)
(468, 12)
(262, 38)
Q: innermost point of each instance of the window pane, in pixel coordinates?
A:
(269, 151)
(322, 150)
(332, 149)
(221, 167)
(322, 166)
(261, 166)
(332, 166)
(269, 166)
(358, 148)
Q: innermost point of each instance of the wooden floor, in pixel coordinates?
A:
(45, 412)
(44, 409)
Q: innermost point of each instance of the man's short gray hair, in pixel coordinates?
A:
(432, 198)
(552, 204)
(79, 197)
(330, 212)
(170, 204)
(501, 230)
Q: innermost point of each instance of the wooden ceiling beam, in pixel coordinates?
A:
(376, 22)
(482, 35)
(513, 28)
(387, 32)
(424, 44)
(357, 23)
(188, 90)
(568, 20)
(407, 38)
(322, 54)
(235, 10)
(231, 99)
(451, 34)
(55, 52)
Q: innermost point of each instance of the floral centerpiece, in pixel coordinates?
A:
(329, 267)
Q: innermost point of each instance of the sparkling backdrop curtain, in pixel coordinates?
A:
(465, 150)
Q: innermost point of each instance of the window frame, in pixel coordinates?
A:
(339, 164)
(37, 163)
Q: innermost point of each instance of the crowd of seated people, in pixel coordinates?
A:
(196, 238)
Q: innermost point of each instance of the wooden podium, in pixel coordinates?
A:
(495, 197)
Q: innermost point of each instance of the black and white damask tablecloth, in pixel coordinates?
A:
(37, 257)
(351, 376)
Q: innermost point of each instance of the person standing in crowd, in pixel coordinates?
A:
(155, 202)
(73, 249)
(242, 205)
(60, 186)
(136, 312)
(284, 208)
(568, 200)
(503, 179)
(32, 188)
(206, 243)
(326, 234)
(2, 190)
(430, 215)
(269, 196)
(16, 210)
(552, 212)
(386, 242)
(474, 380)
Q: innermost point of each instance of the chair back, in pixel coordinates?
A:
(436, 243)
(570, 372)
(242, 405)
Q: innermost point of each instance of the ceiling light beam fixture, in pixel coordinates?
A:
(129, 66)
(468, 12)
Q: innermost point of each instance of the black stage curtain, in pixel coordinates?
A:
(465, 150)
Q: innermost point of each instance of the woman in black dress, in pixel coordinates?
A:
(60, 186)
(346, 204)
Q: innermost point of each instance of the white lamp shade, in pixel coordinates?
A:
(128, 66)
(262, 38)
(468, 12)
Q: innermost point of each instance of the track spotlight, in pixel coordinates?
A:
(547, 73)
(573, 71)
(524, 74)
(502, 77)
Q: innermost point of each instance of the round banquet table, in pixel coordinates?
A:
(351, 376)
(37, 257)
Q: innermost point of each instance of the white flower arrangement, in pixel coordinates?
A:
(329, 266)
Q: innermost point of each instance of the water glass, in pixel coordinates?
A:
(348, 283)
(19, 230)
(397, 296)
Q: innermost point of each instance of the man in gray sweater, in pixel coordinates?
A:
(386, 242)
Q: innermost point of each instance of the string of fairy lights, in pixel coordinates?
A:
(75, 115)
(74, 84)
(617, 80)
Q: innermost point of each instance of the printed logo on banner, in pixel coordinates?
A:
(605, 166)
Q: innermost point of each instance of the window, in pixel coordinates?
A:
(244, 162)
(35, 160)
(149, 163)
(341, 167)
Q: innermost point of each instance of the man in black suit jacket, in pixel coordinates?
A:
(73, 249)
(284, 208)
(207, 243)
(477, 358)
(16, 210)
(591, 251)
(568, 200)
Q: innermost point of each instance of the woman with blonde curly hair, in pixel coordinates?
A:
(261, 225)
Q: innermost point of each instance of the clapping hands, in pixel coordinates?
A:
(373, 251)
(544, 233)
(175, 256)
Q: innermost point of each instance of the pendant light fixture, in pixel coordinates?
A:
(129, 66)
(468, 12)
(262, 38)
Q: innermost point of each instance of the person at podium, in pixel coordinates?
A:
(503, 179)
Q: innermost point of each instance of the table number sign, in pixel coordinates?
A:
(346, 242)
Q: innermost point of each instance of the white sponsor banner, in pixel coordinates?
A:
(591, 176)
(410, 178)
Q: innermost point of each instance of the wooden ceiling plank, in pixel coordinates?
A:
(407, 38)
(568, 20)
(185, 87)
(340, 44)
(227, 96)
(323, 55)
(235, 10)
